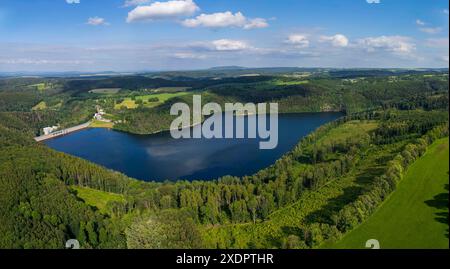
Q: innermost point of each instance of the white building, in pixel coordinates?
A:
(49, 130)
(99, 116)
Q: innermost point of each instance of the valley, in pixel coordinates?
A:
(354, 145)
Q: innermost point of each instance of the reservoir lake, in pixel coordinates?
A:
(160, 157)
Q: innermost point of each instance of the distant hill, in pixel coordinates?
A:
(231, 67)
(234, 71)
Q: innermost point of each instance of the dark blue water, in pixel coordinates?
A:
(160, 157)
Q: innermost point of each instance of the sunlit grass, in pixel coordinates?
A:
(41, 106)
(96, 198)
(129, 103)
(416, 214)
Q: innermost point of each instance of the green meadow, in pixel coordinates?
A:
(41, 86)
(41, 106)
(416, 214)
(129, 103)
(96, 198)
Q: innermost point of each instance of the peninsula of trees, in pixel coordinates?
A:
(331, 182)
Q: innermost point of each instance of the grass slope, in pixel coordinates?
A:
(162, 97)
(416, 214)
(41, 86)
(41, 106)
(101, 124)
(96, 198)
(313, 205)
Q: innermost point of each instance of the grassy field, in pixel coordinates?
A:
(41, 86)
(44, 106)
(96, 198)
(41, 106)
(416, 214)
(351, 129)
(101, 124)
(348, 130)
(162, 97)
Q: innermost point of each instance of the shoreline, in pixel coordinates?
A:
(236, 115)
(63, 132)
(211, 179)
(87, 125)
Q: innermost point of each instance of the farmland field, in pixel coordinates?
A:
(101, 124)
(41, 86)
(129, 103)
(416, 214)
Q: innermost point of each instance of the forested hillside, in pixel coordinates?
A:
(139, 104)
(305, 95)
(331, 182)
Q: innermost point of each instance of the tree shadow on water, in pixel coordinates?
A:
(441, 202)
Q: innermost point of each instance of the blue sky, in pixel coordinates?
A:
(138, 35)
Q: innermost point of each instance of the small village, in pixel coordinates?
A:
(99, 115)
(55, 131)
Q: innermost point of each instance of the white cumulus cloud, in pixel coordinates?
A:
(188, 55)
(225, 19)
(163, 10)
(256, 23)
(229, 45)
(373, 1)
(96, 21)
(431, 30)
(72, 1)
(428, 30)
(299, 40)
(395, 44)
(420, 22)
(337, 40)
(27, 61)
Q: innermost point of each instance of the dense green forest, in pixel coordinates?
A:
(331, 182)
(71, 101)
